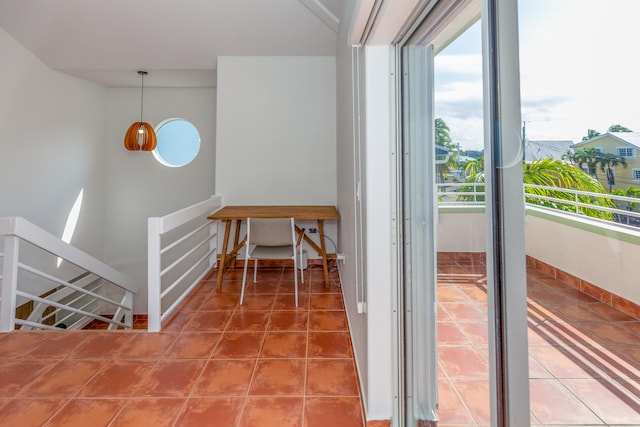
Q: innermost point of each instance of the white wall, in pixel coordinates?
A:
(371, 330)
(52, 145)
(138, 186)
(461, 230)
(276, 132)
(379, 208)
(602, 255)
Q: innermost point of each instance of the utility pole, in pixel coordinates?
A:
(524, 139)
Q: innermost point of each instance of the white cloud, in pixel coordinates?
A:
(578, 71)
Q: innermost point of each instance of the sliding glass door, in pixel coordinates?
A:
(419, 262)
(501, 261)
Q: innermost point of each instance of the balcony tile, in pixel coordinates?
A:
(87, 412)
(28, 412)
(451, 410)
(221, 302)
(64, 379)
(463, 362)
(475, 395)
(327, 321)
(288, 321)
(553, 403)
(225, 378)
(258, 302)
(101, 345)
(272, 412)
(450, 334)
(610, 399)
(249, 321)
(117, 379)
(161, 412)
(333, 411)
(193, 345)
(206, 320)
(330, 345)
(171, 378)
(327, 302)
(148, 346)
(239, 345)
(288, 302)
(284, 345)
(278, 377)
(211, 412)
(14, 374)
(331, 377)
(13, 344)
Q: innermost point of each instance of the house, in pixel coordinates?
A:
(620, 144)
(297, 102)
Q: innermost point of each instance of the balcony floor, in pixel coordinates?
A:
(268, 364)
(584, 356)
(214, 364)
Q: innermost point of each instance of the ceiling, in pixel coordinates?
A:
(176, 41)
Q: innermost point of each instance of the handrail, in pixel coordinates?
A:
(449, 195)
(16, 230)
(195, 258)
(25, 230)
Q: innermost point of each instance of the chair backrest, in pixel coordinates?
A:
(271, 231)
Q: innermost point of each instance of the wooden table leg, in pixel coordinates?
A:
(223, 254)
(236, 240)
(325, 266)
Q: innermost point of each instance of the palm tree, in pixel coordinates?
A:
(588, 156)
(442, 133)
(618, 128)
(443, 139)
(591, 133)
(553, 173)
(629, 192)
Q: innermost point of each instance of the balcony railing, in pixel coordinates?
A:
(52, 297)
(182, 249)
(602, 206)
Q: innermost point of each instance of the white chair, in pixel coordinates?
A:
(272, 238)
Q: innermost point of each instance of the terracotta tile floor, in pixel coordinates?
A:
(269, 364)
(214, 364)
(584, 356)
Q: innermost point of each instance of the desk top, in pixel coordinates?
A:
(229, 213)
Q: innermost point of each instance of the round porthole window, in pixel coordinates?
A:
(178, 143)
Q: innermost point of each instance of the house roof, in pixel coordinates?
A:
(628, 138)
(553, 149)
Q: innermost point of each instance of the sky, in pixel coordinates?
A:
(578, 66)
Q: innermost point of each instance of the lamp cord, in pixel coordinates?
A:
(142, 74)
(141, 97)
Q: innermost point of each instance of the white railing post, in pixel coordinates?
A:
(128, 314)
(9, 283)
(154, 309)
(213, 244)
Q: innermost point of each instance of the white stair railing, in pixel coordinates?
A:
(182, 250)
(110, 292)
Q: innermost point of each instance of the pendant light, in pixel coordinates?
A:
(140, 135)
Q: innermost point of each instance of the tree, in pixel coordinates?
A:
(591, 133)
(557, 174)
(589, 157)
(443, 139)
(442, 133)
(618, 128)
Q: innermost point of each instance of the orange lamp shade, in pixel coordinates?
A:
(140, 136)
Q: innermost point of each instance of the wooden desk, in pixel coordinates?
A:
(228, 214)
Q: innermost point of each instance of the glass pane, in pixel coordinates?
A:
(580, 96)
(178, 143)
